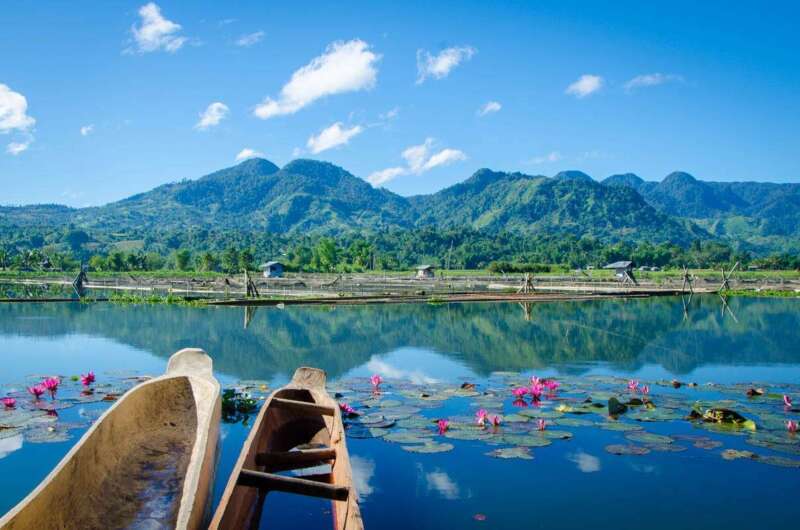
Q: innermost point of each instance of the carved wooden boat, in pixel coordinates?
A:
(147, 462)
(298, 427)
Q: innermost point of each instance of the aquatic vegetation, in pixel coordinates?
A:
(376, 381)
(237, 405)
(88, 378)
(443, 425)
(347, 410)
(37, 391)
(541, 424)
(791, 426)
(787, 401)
(481, 416)
(51, 384)
(633, 385)
(9, 402)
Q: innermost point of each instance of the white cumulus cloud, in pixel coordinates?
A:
(648, 80)
(155, 32)
(439, 66)
(363, 471)
(441, 482)
(585, 462)
(211, 117)
(488, 108)
(585, 85)
(14, 111)
(383, 176)
(344, 67)
(332, 136)
(552, 156)
(250, 39)
(86, 130)
(419, 159)
(15, 148)
(246, 153)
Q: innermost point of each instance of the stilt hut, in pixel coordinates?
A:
(272, 269)
(425, 272)
(623, 270)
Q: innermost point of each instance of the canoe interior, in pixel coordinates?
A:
(130, 471)
(280, 429)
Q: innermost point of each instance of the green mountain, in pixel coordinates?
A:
(763, 214)
(570, 203)
(312, 197)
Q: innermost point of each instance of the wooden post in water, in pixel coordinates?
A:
(687, 280)
(725, 285)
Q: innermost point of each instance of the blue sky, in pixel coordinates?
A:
(101, 100)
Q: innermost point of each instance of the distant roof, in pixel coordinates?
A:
(619, 265)
(424, 267)
(270, 264)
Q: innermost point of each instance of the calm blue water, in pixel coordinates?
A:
(570, 484)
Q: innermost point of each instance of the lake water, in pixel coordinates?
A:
(591, 347)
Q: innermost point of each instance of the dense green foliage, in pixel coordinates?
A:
(318, 217)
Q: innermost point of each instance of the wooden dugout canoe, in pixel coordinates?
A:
(147, 462)
(298, 427)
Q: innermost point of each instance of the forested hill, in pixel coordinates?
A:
(317, 198)
(763, 214)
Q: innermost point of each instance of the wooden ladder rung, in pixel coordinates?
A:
(312, 486)
(291, 404)
(283, 461)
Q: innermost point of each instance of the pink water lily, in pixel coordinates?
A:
(51, 384)
(376, 381)
(645, 389)
(496, 420)
(787, 402)
(519, 392)
(791, 426)
(633, 384)
(551, 384)
(36, 391)
(535, 380)
(481, 416)
(520, 403)
(541, 424)
(87, 379)
(443, 425)
(536, 391)
(9, 402)
(347, 409)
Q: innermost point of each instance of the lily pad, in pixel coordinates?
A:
(525, 440)
(408, 437)
(707, 443)
(618, 426)
(648, 438)
(364, 432)
(667, 448)
(735, 454)
(574, 422)
(780, 461)
(522, 453)
(429, 447)
(628, 449)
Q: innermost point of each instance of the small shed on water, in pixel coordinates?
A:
(272, 269)
(426, 272)
(623, 270)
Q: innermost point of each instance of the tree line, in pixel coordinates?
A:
(231, 252)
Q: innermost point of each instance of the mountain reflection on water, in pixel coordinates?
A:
(484, 337)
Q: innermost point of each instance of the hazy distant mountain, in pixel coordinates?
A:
(312, 197)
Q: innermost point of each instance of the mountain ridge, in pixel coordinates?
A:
(310, 197)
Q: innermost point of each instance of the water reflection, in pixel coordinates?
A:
(678, 334)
